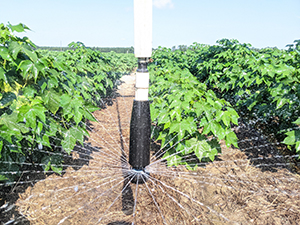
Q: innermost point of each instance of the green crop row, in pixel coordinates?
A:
(189, 118)
(85, 60)
(261, 85)
(46, 98)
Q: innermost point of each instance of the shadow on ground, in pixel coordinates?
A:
(261, 152)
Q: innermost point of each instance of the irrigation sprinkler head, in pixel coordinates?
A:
(140, 175)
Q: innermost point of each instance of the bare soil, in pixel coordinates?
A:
(249, 185)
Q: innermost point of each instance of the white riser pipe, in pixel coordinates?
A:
(142, 28)
(142, 86)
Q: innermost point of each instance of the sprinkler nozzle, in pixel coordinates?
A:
(140, 175)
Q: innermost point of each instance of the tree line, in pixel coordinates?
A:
(101, 49)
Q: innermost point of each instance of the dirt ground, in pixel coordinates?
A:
(250, 185)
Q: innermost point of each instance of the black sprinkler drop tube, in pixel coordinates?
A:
(139, 154)
(140, 131)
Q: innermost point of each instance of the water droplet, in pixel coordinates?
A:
(4, 206)
(76, 188)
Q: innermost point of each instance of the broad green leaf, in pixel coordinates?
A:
(29, 70)
(19, 27)
(53, 100)
(176, 103)
(91, 108)
(4, 53)
(173, 160)
(77, 114)
(39, 128)
(212, 154)
(175, 114)
(30, 53)
(46, 141)
(164, 118)
(175, 127)
(30, 113)
(11, 122)
(70, 137)
(3, 178)
(191, 165)
(200, 147)
(65, 99)
(29, 91)
(69, 141)
(290, 139)
(233, 114)
(161, 136)
(7, 135)
(54, 128)
(281, 102)
(75, 105)
(219, 116)
(182, 126)
(208, 111)
(167, 125)
(37, 101)
(198, 108)
(14, 48)
(217, 129)
(188, 96)
(183, 148)
(56, 169)
(39, 112)
(218, 105)
(226, 117)
(87, 115)
(230, 138)
(297, 121)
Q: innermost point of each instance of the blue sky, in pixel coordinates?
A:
(110, 22)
